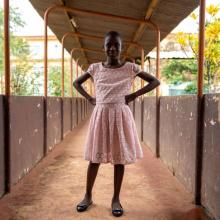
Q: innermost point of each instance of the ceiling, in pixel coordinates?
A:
(167, 14)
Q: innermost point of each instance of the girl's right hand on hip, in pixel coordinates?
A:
(129, 98)
(92, 101)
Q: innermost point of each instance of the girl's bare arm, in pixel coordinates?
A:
(78, 85)
(153, 82)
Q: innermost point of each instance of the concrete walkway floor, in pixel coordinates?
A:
(53, 188)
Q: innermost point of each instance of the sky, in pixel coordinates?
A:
(35, 26)
(188, 24)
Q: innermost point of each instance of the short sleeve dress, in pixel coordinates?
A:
(112, 135)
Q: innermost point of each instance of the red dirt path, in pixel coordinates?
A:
(53, 188)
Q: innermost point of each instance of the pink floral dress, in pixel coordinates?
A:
(112, 134)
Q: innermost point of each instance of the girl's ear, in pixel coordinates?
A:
(122, 48)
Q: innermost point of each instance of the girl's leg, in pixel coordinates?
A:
(91, 176)
(118, 177)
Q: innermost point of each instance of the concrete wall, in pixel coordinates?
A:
(79, 110)
(138, 116)
(27, 130)
(2, 146)
(66, 115)
(26, 137)
(86, 106)
(74, 112)
(83, 108)
(53, 121)
(178, 137)
(149, 126)
(211, 155)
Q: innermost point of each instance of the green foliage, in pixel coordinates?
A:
(192, 88)
(15, 20)
(54, 80)
(54, 74)
(21, 71)
(212, 46)
(23, 80)
(178, 71)
(21, 75)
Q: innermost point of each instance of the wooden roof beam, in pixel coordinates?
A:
(72, 26)
(153, 4)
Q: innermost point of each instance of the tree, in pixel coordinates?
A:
(212, 46)
(178, 71)
(54, 79)
(181, 70)
(20, 54)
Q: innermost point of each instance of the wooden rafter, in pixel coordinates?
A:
(72, 27)
(153, 4)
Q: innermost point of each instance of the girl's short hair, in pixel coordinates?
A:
(113, 33)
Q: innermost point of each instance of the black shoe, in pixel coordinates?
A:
(82, 208)
(117, 211)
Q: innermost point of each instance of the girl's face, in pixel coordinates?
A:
(112, 46)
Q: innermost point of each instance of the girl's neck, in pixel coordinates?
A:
(112, 62)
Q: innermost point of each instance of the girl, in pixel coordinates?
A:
(112, 135)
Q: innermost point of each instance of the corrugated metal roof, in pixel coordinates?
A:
(167, 14)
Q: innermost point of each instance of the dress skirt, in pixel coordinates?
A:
(112, 135)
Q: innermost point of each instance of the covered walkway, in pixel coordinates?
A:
(42, 170)
(54, 187)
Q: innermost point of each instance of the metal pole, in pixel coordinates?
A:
(71, 58)
(62, 72)
(90, 87)
(77, 73)
(77, 67)
(142, 66)
(71, 77)
(45, 81)
(142, 97)
(158, 94)
(45, 53)
(158, 61)
(149, 64)
(71, 54)
(200, 106)
(7, 142)
(81, 11)
(111, 16)
(133, 61)
(7, 48)
(93, 37)
(95, 50)
(201, 47)
(71, 93)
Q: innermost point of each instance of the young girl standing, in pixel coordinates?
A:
(112, 136)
